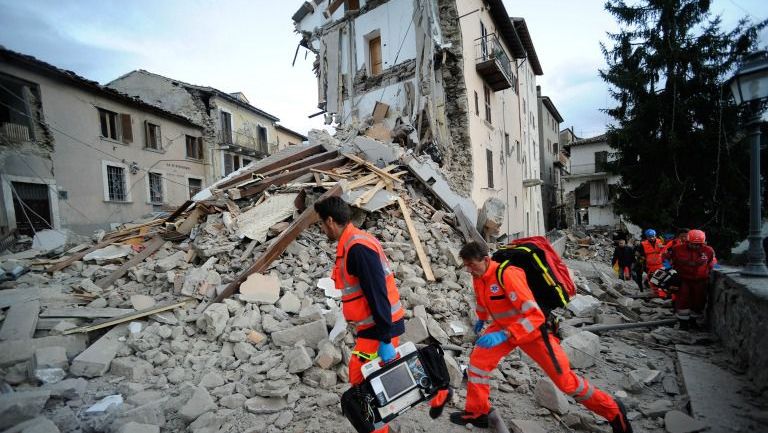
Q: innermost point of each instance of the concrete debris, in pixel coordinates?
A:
(110, 401)
(261, 405)
(524, 426)
(327, 355)
(255, 223)
(583, 305)
(198, 403)
(311, 333)
(548, 396)
(678, 422)
(131, 368)
(16, 407)
(95, 360)
(49, 240)
(20, 321)
(214, 320)
(108, 254)
(415, 330)
(582, 349)
(142, 302)
(260, 289)
(134, 427)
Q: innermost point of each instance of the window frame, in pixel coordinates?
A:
(109, 114)
(148, 126)
(198, 143)
(487, 99)
(202, 185)
(489, 167)
(163, 188)
(105, 181)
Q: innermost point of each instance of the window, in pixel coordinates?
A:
(194, 147)
(374, 55)
(231, 163)
(517, 148)
(487, 92)
(116, 184)
(477, 105)
(108, 121)
(352, 5)
(262, 139)
(246, 161)
(555, 148)
(154, 139)
(489, 163)
(484, 40)
(155, 188)
(226, 127)
(15, 123)
(195, 185)
(506, 144)
(601, 161)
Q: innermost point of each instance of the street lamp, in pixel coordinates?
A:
(750, 89)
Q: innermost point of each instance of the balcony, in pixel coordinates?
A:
(492, 63)
(15, 132)
(561, 161)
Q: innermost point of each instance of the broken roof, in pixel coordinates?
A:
(36, 65)
(525, 37)
(231, 97)
(592, 140)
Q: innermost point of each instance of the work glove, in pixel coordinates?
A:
(492, 339)
(386, 351)
(667, 264)
(479, 326)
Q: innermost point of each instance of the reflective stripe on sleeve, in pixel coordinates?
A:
(587, 396)
(526, 324)
(529, 305)
(579, 389)
(479, 380)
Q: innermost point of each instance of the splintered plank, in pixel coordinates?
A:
(153, 245)
(369, 178)
(278, 245)
(75, 257)
(85, 312)
(298, 156)
(368, 195)
(179, 210)
(416, 241)
(283, 178)
(127, 317)
(373, 168)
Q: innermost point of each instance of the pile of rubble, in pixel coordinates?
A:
(220, 317)
(594, 245)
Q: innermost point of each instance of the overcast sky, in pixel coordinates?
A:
(248, 46)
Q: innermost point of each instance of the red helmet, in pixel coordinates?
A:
(696, 237)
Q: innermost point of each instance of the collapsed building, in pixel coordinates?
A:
(218, 317)
(455, 80)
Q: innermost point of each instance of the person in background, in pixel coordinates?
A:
(693, 260)
(623, 259)
(652, 250)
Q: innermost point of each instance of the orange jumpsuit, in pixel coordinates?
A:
(354, 304)
(514, 309)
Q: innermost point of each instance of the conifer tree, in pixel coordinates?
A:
(675, 129)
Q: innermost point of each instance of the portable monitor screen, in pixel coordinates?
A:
(397, 380)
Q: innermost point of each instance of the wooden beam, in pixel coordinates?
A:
(179, 210)
(283, 178)
(372, 167)
(368, 195)
(298, 156)
(85, 312)
(75, 257)
(152, 245)
(306, 162)
(278, 245)
(416, 241)
(127, 317)
(365, 180)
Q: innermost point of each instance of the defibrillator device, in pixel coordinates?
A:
(665, 279)
(414, 376)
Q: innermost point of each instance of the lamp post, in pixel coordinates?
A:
(750, 89)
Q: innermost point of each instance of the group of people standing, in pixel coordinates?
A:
(687, 254)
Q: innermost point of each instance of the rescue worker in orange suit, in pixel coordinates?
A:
(370, 299)
(516, 321)
(693, 261)
(653, 251)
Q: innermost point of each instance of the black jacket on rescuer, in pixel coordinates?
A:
(365, 264)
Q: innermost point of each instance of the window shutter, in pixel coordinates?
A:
(147, 142)
(127, 129)
(200, 148)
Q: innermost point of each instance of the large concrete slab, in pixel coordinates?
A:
(15, 351)
(14, 296)
(95, 360)
(16, 407)
(20, 321)
(704, 380)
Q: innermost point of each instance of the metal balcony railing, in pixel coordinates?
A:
(581, 169)
(15, 132)
(493, 63)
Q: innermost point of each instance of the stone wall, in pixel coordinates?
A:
(738, 311)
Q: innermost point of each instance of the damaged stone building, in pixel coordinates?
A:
(588, 188)
(77, 155)
(236, 132)
(452, 79)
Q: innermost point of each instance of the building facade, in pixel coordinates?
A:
(288, 137)
(589, 188)
(552, 160)
(82, 156)
(236, 132)
(461, 73)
